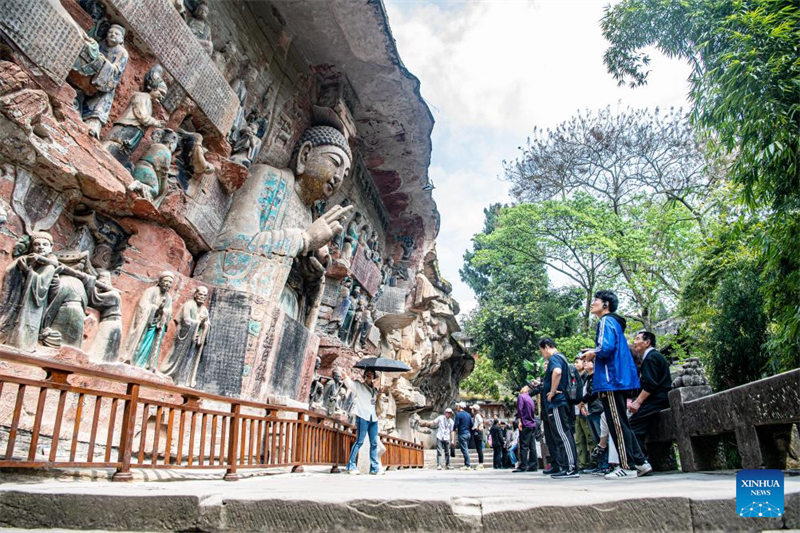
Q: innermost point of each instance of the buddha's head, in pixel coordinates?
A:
(321, 160)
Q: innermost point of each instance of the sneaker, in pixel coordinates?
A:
(354, 472)
(551, 470)
(479, 467)
(519, 470)
(439, 467)
(643, 469)
(589, 470)
(381, 472)
(621, 473)
(565, 474)
(465, 467)
(602, 471)
(448, 467)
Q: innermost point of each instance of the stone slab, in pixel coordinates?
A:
(44, 32)
(365, 272)
(406, 500)
(164, 32)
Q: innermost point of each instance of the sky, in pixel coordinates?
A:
(490, 71)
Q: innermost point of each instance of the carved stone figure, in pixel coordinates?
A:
(389, 277)
(351, 239)
(362, 242)
(317, 391)
(191, 158)
(106, 299)
(179, 7)
(224, 59)
(340, 311)
(270, 220)
(149, 324)
(151, 171)
(347, 324)
(110, 65)
(128, 130)
(66, 312)
(200, 28)
(331, 396)
(25, 292)
(365, 325)
(193, 329)
(240, 86)
(247, 145)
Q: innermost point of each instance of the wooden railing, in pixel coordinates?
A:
(75, 416)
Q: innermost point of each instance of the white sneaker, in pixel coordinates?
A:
(439, 467)
(465, 467)
(479, 467)
(621, 473)
(381, 472)
(643, 469)
(354, 472)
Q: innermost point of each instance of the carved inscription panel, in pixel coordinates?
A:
(160, 27)
(44, 32)
(365, 272)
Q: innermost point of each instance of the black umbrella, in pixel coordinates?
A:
(382, 364)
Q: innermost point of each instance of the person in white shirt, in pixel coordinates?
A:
(366, 420)
(444, 431)
(477, 433)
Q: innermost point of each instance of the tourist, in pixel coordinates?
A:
(497, 435)
(614, 377)
(584, 441)
(656, 383)
(366, 398)
(463, 429)
(477, 433)
(555, 382)
(504, 461)
(594, 411)
(512, 441)
(444, 429)
(526, 409)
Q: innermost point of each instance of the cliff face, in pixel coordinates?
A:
(125, 166)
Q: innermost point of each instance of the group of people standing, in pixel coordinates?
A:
(595, 412)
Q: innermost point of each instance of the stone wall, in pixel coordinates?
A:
(132, 174)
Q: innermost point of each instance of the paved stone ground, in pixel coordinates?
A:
(408, 500)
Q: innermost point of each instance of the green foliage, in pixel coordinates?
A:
(485, 380)
(745, 56)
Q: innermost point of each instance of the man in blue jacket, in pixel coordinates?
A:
(463, 429)
(614, 377)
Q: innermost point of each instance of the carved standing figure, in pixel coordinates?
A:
(149, 324)
(128, 129)
(331, 396)
(107, 300)
(347, 324)
(193, 329)
(112, 62)
(339, 312)
(240, 86)
(63, 320)
(351, 239)
(200, 28)
(151, 171)
(317, 389)
(25, 292)
(247, 146)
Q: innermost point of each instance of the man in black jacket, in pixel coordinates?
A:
(497, 434)
(656, 384)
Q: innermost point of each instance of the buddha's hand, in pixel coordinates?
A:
(325, 227)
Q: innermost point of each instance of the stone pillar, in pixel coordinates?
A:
(749, 447)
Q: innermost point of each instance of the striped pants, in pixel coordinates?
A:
(616, 411)
(564, 439)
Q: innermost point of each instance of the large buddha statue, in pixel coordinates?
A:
(270, 221)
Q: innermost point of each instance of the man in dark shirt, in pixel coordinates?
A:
(463, 429)
(555, 382)
(527, 444)
(656, 383)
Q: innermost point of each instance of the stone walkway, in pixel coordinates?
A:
(408, 500)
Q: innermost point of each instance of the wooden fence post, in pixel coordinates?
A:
(233, 444)
(123, 473)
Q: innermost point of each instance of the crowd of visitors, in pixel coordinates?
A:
(594, 414)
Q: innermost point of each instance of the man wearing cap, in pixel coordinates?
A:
(477, 433)
(463, 429)
(526, 410)
(444, 430)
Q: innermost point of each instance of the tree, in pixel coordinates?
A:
(647, 170)
(485, 380)
(746, 99)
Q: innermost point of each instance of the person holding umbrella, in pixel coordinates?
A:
(366, 400)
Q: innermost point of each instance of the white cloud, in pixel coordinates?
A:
(491, 71)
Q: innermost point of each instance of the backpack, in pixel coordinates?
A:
(574, 390)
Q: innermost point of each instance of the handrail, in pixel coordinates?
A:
(160, 425)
